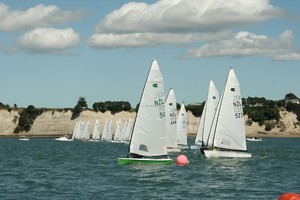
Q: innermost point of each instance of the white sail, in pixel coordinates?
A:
(228, 129)
(110, 130)
(182, 127)
(128, 130)
(86, 131)
(96, 131)
(171, 119)
(74, 131)
(106, 134)
(124, 129)
(207, 115)
(119, 132)
(149, 131)
(79, 130)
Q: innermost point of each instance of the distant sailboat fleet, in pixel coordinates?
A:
(159, 128)
(82, 132)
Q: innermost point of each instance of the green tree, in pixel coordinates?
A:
(295, 108)
(81, 103)
(196, 109)
(290, 96)
(27, 117)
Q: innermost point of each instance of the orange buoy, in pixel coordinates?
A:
(181, 160)
(289, 196)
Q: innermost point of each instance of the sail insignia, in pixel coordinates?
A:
(143, 147)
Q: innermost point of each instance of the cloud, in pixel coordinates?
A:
(48, 40)
(249, 44)
(112, 40)
(37, 16)
(186, 16)
(177, 21)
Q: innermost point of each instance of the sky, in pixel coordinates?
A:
(53, 52)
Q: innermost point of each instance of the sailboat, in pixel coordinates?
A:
(96, 132)
(106, 134)
(182, 128)
(207, 116)
(24, 138)
(127, 131)
(74, 131)
(171, 122)
(227, 135)
(79, 130)
(66, 137)
(119, 132)
(148, 142)
(86, 132)
(254, 139)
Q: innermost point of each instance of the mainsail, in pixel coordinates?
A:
(228, 129)
(171, 119)
(207, 115)
(149, 131)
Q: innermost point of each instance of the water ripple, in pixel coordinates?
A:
(48, 169)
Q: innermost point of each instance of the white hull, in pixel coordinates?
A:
(94, 140)
(117, 141)
(64, 139)
(254, 139)
(24, 139)
(226, 154)
(123, 161)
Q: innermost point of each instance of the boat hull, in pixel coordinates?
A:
(63, 139)
(124, 161)
(254, 139)
(226, 154)
(94, 140)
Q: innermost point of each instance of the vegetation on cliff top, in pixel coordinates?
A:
(112, 106)
(259, 109)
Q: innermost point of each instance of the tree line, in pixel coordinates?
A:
(112, 106)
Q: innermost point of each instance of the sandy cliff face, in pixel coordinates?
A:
(56, 123)
(8, 122)
(53, 123)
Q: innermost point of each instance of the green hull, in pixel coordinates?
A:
(125, 161)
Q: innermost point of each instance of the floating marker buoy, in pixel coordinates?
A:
(182, 160)
(289, 196)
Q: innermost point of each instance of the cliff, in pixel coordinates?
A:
(54, 123)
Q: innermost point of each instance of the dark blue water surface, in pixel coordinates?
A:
(49, 169)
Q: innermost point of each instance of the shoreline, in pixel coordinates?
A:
(258, 134)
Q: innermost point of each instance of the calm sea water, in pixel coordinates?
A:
(49, 169)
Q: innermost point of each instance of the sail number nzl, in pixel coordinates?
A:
(238, 107)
